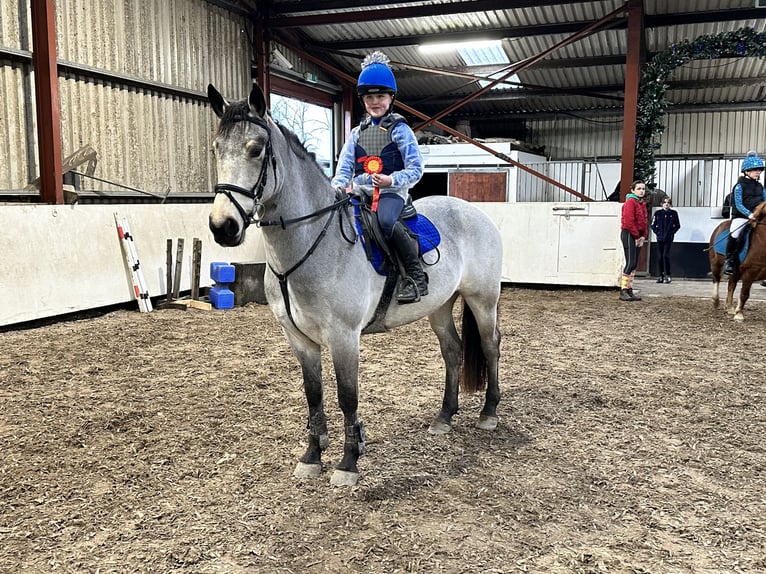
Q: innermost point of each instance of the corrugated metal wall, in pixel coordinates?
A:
(690, 182)
(132, 76)
(704, 133)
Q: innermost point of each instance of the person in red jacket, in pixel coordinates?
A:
(635, 230)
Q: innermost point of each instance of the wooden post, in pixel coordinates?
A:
(47, 98)
(196, 264)
(635, 50)
(179, 264)
(169, 270)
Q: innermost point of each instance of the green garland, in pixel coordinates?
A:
(651, 93)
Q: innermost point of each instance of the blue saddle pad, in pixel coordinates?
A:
(428, 237)
(719, 245)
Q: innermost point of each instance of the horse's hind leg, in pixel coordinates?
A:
(443, 324)
(484, 308)
(716, 299)
(715, 269)
(310, 358)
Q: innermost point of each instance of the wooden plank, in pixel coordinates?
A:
(202, 305)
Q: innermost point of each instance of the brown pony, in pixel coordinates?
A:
(752, 269)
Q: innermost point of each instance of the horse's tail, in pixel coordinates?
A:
(474, 376)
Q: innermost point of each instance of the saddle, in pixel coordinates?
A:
(380, 255)
(719, 245)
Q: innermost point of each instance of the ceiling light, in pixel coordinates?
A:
(452, 46)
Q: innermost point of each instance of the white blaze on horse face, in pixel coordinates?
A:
(238, 162)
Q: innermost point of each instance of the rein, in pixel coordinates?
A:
(256, 193)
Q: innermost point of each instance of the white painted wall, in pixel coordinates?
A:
(59, 259)
(62, 259)
(559, 243)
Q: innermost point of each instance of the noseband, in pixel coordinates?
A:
(256, 192)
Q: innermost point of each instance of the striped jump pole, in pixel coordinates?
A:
(140, 289)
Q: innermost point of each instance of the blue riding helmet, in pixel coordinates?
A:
(752, 161)
(376, 76)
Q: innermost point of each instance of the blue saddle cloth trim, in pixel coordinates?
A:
(719, 245)
(428, 237)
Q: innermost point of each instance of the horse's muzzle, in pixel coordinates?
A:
(227, 233)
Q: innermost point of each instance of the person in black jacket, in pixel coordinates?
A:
(745, 197)
(665, 224)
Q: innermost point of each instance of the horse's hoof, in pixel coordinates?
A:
(486, 423)
(344, 478)
(439, 427)
(304, 470)
(739, 317)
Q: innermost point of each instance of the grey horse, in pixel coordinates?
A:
(323, 290)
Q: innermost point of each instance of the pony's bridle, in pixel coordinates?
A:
(256, 192)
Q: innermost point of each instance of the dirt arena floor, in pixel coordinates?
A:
(631, 439)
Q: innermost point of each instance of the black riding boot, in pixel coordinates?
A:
(414, 285)
(730, 265)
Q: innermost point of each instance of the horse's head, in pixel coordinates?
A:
(245, 163)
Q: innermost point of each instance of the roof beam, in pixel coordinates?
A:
(315, 13)
(524, 91)
(616, 111)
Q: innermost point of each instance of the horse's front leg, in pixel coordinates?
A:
(744, 295)
(731, 286)
(345, 358)
(716, 285)
(310, 358)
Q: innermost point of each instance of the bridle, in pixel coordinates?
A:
(256, 193)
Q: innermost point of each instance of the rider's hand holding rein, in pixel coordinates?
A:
(382, 180)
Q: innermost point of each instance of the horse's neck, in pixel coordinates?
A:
(286, 246)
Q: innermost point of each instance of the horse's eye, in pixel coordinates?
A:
(253, 149)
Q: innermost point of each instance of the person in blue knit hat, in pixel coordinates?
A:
(382, 159)
(745, 197)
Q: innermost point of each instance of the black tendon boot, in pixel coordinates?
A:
(414, 285)
(730, 265)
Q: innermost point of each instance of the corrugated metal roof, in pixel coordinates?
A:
(345, 30)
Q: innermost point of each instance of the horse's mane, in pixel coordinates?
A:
(758, 212)
(240, 111)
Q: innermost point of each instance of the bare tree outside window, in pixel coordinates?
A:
(311, 123)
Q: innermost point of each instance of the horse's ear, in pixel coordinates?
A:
(257, 101)
(218, 102)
